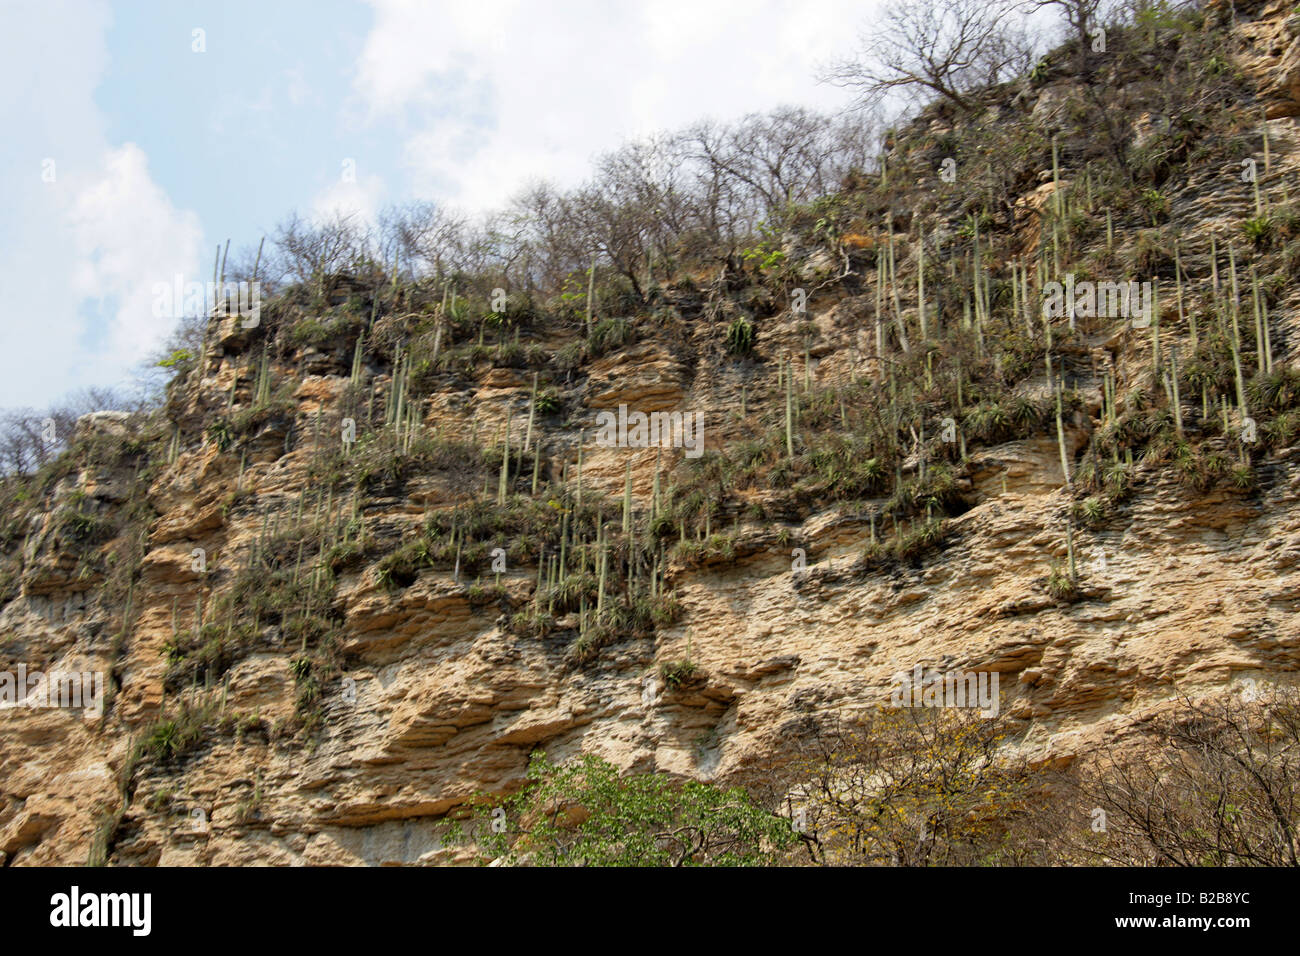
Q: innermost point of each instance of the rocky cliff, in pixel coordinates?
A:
(312, 661)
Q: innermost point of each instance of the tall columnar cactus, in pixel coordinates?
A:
(1268, 338)
(582, 438)
(654, 494)
(920, 287)
(1259, 329)
(263, 395)
(789, 419)
(880, 323)
(216, 261)
(532, 412)
(1110, 385)
(1069, 549)
(390, 407)
(505, 462)
(564, 544)
(1263, 341)
(903, 342)
(357, 353)
(985, 287)
(401, 384)
(603, 548)
(1236, 334)
(221, 284)
(1025, 300)
(1259, 203)
(1177, 396)
(591, 294)
(627, 498)
(1155, 327)
(1267, 163)
(1047, 331)
(1056, 178)
(414, 423)
(258, 261)
(1183, 313)
(1060, 431)
(1015, 292)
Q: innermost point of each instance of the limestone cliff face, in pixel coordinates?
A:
(437, 699)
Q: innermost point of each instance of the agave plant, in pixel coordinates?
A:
(740, 336)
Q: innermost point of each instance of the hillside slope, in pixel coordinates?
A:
(343, 666)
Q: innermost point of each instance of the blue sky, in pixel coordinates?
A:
(133, 155)
(245, 129)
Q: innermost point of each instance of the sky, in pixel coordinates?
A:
(141, 135)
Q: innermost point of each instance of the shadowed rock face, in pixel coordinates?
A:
(1277, 38)
(438, 701)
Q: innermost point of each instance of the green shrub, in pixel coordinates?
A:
(609, 335)
(1060, 585)
(740, 337)
(677, 673)
(547, 402)
(637, 820)
(1258, 231)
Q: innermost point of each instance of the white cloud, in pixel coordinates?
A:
(484, 97)
(128, 236)
(498, 92)
(79, 255)
(359, 197)
(414, 42)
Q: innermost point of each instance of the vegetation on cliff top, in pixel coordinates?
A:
(715, 247)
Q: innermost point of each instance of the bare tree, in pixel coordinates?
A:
(544, 236)
(22, 442)
(911, 787)
(724, 202)
(29, 438)
(253, 263)
(1081, 22)
(947, 47)
(752, 171)
(311, 251)
(427, 237)
(1217, 783)
(618, 232)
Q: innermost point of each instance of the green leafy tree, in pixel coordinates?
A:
(586, 814)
